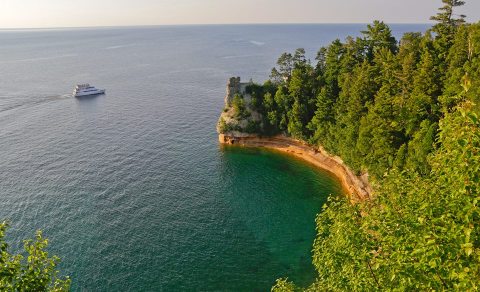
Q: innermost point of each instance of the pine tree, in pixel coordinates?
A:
(446, 26)
(377, 36)
(446, 18)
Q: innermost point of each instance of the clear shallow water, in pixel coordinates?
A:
(132, 188)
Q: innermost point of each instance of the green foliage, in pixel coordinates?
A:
(463, 61)
(35, 271)
(282, 285)
(367, 97)
(256, 92)
(418, 233)
(223, 127)
(284, 71)
(238, 105)
(407, 113)
(445, 18)
(379, 36)
(420, 146)
(252, 127)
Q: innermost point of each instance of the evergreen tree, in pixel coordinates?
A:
(408, 114)
(446, 18)
(446, 26)
(378, 35)
(300, 89)
(421, 146)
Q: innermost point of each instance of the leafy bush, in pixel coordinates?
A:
(35, 271)
(418, 233)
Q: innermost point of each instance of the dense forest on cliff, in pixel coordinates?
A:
(406, 112)
(373, 100)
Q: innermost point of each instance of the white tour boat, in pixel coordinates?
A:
(85, 90)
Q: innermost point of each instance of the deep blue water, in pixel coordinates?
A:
(132, 188)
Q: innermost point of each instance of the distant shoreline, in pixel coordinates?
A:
(357, 187)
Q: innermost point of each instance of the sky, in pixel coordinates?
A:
(76, 13)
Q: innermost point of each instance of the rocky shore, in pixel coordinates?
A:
(357, 187)
(233, 129)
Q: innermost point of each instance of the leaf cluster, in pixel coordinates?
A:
(34, 270)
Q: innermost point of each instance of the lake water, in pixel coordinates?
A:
(132, 188)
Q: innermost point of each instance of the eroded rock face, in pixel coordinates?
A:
(235, 138)
(233, 87)
(357, 187)
(229, 122)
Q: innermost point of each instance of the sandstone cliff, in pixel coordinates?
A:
(238, 116)
(232, 131)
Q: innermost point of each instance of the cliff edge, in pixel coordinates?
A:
(239, 124)
(239, 118)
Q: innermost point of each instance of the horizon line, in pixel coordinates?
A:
(203, 24)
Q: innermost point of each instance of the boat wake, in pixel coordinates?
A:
(257, 43)
(9, 103)
(119, 47)
(38, 59)
(241, 56)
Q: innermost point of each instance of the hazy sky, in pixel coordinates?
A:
(64, 13)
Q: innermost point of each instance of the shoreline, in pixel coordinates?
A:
(357, 187)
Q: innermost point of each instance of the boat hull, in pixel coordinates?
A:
(98, 92)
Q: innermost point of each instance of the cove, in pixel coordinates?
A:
(275, 197)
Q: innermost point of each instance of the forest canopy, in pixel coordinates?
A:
(405, 111)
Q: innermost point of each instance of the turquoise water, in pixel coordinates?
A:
(132, 188)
